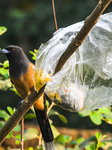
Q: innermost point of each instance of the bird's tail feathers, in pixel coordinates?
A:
(49, 146)
(44, 125)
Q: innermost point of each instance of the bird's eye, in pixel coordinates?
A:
(13, 49)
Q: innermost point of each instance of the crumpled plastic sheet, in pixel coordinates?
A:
(85, 80)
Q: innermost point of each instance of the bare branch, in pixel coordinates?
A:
(90, 21)
(19, 113)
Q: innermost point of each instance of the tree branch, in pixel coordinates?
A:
(90, 21)
(19, 113)
(32, 98)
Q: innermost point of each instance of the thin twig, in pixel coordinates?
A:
(54, 13)
(40, 138)
(50, 107)
(22, 133)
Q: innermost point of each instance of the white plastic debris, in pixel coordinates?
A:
(85, 81)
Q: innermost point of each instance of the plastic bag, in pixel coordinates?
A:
(85, 81)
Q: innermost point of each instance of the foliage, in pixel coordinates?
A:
(61, 141)
(97, 116)
(34, 54)
(2, 30)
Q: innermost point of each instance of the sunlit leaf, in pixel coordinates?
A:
(4, 114)
(67, 138)
(16, 128)
(5, 84)
(98, 135)
(17, 142)
(30, 148)
(9, 135)
(4, 72)
(84, 113)
(31, 133)
(59, 146)
(6, 64)
(96, 118)
(80, 139)
(55, 131)
(104, 110)
(74, 142)
(101, 144)
(34, 54)
(30, 116)
(10, 110)
(2, 29)
(60, 139)
(107, 115)
(90, 147)
(62, 118)
(52, 112)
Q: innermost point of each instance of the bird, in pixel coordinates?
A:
(21, 72)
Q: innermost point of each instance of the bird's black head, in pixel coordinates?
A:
(18, 61)
(14, 53)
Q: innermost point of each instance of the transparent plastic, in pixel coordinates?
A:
(85, 81)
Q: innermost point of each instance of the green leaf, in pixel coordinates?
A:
(62, 118)
(47, 104)
(10, 110)
(18, 137)
(31, 133)
(98, 135)
(1, 124)
(101, 144)
(30, 116)
(4, 73)
(104, 110)
(74, 142)
(30, 148)
(16, 128)
(39, 147)
(34, 54)
(67, 138)
(96, 118)
(2, 29)
(103, 137)
(84, 113)
(17, 142)
(9, 135)
(55, 131)
(59, 146)
(6, 64)
(4, 114)
(80, 140)
(107, 115)
(5, 84)
(60, 139)
(14, 90)
(90, 147)
(52, 112)
(89, 141)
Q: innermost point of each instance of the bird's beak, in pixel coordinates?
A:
(4, 51)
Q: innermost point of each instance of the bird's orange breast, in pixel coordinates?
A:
(25, 85)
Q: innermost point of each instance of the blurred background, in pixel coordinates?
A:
(30, 23)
